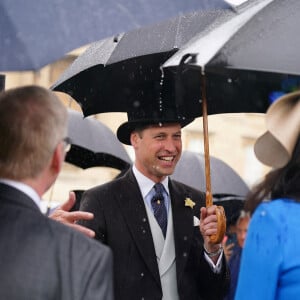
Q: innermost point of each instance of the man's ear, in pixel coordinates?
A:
(134, 138)
(57, 158)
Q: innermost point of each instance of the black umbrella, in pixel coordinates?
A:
(126, 69)
(225, 180)
(94, 144)
(259, 42)
(263, 37)
(34, 33)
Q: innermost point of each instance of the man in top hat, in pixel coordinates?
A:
(153, 230)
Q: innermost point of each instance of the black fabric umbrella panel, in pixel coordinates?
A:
(263, 49)
(93, 144)
(266, 40)
(269, 42)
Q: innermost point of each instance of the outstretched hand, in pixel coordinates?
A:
(63, 215)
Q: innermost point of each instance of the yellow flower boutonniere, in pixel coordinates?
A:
(189, 202)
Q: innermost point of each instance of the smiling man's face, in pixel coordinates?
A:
(157, 150)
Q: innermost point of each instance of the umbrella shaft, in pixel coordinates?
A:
(209, 201)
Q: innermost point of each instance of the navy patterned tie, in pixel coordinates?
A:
(159, 209)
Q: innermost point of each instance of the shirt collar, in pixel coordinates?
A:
(146, 184)
(26, 189)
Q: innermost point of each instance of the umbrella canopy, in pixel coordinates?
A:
(126, 68)
(263, 37)
(37, 33)
(225, 181)
(94, 144)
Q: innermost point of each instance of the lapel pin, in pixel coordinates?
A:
(189, 202)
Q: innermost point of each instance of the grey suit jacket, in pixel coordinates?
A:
(43, 259)
(121, 222)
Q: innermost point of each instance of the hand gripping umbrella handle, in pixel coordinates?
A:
(220, 213)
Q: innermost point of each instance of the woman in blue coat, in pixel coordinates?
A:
(270, 266)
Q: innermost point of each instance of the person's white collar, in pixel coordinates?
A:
(146, 184)
(26, 189)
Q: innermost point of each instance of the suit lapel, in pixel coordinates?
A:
(183, 226)
(133, 209)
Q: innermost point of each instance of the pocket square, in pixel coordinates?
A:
(196, 221)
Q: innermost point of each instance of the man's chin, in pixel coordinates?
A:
(167, 171)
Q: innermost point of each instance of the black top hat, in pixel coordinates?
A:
(159, 101)
(148, 116)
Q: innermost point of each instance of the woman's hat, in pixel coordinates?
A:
(144, 117)
(275, 147)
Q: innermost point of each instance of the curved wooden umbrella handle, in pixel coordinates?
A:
(221, 226)
(220, 212)
(221, 218)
